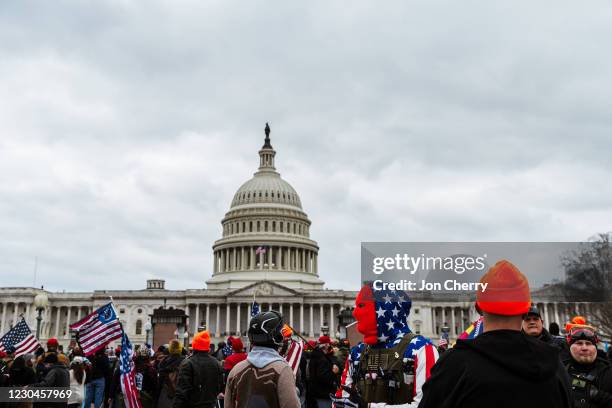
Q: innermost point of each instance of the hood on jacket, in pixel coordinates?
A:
(516, 352)
(262, 356)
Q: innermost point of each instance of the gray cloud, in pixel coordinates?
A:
(126, 129)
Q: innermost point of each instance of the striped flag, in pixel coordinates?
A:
(254, 309)
(98, 329)
(19, 340)
(474, 330)
(126, 371)
(443, 342)
(260, 251)
(294, 354)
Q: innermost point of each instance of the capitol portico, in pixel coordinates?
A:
(265, 253)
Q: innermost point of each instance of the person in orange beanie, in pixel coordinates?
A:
(200, 377)
(496, 368)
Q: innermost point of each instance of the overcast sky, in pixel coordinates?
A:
(126, 128)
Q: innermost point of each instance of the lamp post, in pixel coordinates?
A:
(147, 327)
(41, 301)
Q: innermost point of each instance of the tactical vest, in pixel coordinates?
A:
(384, 375)
(581, 383)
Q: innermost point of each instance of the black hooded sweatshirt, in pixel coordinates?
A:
(500, 368)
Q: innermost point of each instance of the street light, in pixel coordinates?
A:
(147, 327)
(41, 301)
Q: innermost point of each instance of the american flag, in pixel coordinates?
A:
(254, 309)
(260, 250)
(443, 342)
(19, 340)
(126, 370)
(98, 329)
(294, 354)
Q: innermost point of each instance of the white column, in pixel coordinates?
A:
(462, 325)
(4, 306)
(252, 258)
(78, 314)
(238, 318)
(15, 308)
(311, 321)
(57, 320)
(291, 314)
(28, 317)
(217, 331)
(208, 317)
(67, 335)
(302, 318)
(248, 313)
(453, 330)
(332, 326)
(279, 261)
(556, 313)
(188, 321)
(197, 319)
(433, 320)
(443, 315)
(320, 316)
(280, 308)
(227, 319)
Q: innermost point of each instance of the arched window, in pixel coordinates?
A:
(281, 226)
(266, 226)
(250, 226)
(138, 326)
(273, 226)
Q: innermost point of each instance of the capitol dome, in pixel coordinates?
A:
(266, 187)
(266, 234)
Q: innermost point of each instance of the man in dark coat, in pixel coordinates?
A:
(502, 367)
(590, 374)
(57, 376)
(533, 326)
(322, 374)
(200, 377)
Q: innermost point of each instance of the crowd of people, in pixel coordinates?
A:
(515, 362)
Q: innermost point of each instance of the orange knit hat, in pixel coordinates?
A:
(507, 292)
(201, 341)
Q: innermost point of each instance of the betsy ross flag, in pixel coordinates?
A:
(98, 329)
(19, 340)
(294, 354)
(127, 370)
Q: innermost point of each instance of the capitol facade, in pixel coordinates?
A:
(265, 253)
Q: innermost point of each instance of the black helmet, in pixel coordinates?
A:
(265, 329)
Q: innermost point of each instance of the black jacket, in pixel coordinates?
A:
(100, 368)
(500, 369)
(200, 380)
(321, 379)
(57, 376)
(601, 370)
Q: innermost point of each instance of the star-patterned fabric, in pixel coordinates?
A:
(392, 310)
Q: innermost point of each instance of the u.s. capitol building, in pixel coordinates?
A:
(265, 252)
